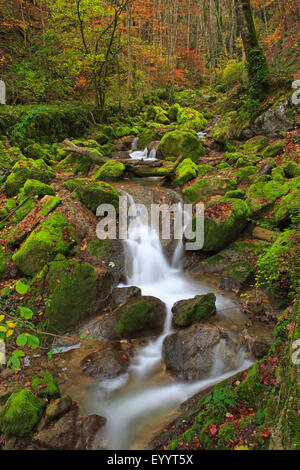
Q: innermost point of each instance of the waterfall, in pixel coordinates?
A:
(131, 400)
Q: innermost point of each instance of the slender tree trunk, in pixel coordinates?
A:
(256, 61)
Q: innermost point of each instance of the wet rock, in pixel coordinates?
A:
(120, 295)
(107, 363)
(91, 425)
(187, 312)
(140, 316)
(189, 353)
(58, 407)
(70, 432)
(258, 346)
(237, 276)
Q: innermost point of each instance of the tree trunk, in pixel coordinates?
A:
(256, 61)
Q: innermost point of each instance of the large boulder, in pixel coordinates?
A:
(223, 222)
(201, 188)
(186, 171)
(92, 193)
(110, 171)
(187, 312)
(52, 237)
(69, 288)
(106, 363)
(27, 169)
(181, 142)
(189, 354)
(276, 119)
(21, 412)
(140, 316)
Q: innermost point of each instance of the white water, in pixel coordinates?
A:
(136, 154)
(130, 401)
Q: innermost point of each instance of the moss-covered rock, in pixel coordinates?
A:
(45, 386)
(21, 413)
(189, 118)
(110, 171)
(157, 114)
(244, 174)
(186, 171)
(254, 145)
(187, 312)
(235, 194)
(181, 142)
(75, 164)
(203, 187)
(286, 212)
(274, 149)
(147, 136)
(27, 169)
(4, 259)
(35, 187)
(53, 236)
(237, 276)
(261, 194)
(69, 289)
(291, 169)
(92, 193)
(223, 222)
(204, 169)
(37, 151)
(139, 316)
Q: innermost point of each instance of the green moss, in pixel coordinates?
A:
(53, 236)
(134, 318)
(21, 413)
(93, 193)
(4, 259)
(75, 163)
(173, 112)
(147, 136)
(223, 166)
(203, 187)
(254, 145)
(286, 212)
(49, 204)
(235, 194)
(37, 151)
(274, 149)
(261, 194)
(189, 118)
(186, 171)
(223, 222)
(226, 433)
(291, 169)
(34, 187)
(242, 272)
(157, 114)
(110, 171)
(277, 174)
(277, 268)
(25, 207)
(45, 386)
(204, 169)
(181, 142)
(69, 289)
(244, 174)
(198, 309)
(27, 169)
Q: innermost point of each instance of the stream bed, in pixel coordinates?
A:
(134, 401)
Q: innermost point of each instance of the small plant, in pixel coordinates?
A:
(14, 328)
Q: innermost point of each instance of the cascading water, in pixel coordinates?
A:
(131, 400)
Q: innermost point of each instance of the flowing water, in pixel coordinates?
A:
(132, 400)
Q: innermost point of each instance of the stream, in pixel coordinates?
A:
(132, 401)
